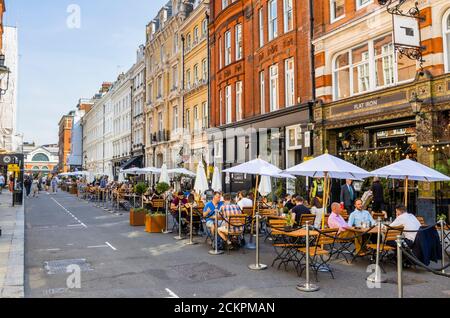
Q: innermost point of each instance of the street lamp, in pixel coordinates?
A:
(416, 105)
(4, 71)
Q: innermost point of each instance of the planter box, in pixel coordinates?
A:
(73, 190)
(155, 223)
(137, 219)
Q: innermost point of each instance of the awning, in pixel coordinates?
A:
(133, 162)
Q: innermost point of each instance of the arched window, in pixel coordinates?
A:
(45, 169)
(446, 36)
(35, 168)
(40, 157)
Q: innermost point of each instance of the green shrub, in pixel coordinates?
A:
(141, 210)
(140, 188)
(162, 187)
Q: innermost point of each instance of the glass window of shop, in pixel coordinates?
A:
(446, 37)
(370, 66)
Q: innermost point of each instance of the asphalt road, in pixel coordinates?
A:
(117, 260)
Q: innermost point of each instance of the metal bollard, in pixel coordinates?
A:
(191, 242)
(399, 266)
(307, 287)
(179, 223)
(257, 266)
(216, 232)
(377, 279)
(167, 218)
(443, 245)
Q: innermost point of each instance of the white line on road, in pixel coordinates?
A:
(68, 212)
(171, 293)
(98, 246)
(112, 247)
(53, 249)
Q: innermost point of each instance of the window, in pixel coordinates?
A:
(40, 157)
(368, 67)
(175, 76)
(159, 88)
(160, 121)
(261, 27)
(362, 3)
(262, 92)
(273, 20)
(188, 79)
(188, 42)
(205, 70)
(288, 16)
(220, 108)
(337, 9)
(175, 43)
(204, 28)
(239, 113)
(294, 137)
(290, 82)
(446, 36)
(227, 48)
(188, 120)
(195, 74)
(161, 54)
(175, 118)
(273, 88)
(238, 38)
(228, 102)
(220, 53)
(196, 119)
(205, 115)
(224, 4)
(195, 35)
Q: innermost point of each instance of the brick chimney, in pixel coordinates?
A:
(105, 87)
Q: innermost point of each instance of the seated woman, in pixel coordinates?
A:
(196, 218)
(179, 202)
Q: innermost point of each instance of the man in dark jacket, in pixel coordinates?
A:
(348, 196)
(378, 195)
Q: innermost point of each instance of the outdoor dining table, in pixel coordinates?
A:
(362, 239)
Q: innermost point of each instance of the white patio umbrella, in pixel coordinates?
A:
(182, 171)
(216, 180)
(260, 168)
(410, 170)
(164, 178)
(201, 181)
(265, 186)
(328, 167)
(133, 171)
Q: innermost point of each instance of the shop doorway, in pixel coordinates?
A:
(12, 167)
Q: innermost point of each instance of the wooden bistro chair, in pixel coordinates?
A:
(388, 243)
(320, 253)
(311, 218)
(379, 215)
(235, 226)
(421, 219)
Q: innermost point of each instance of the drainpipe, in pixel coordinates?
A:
(313, 73)
(209, 72)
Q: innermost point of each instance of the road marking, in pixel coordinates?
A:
(74, 225)
(53, 249)
(98, 246)
(171, 293)
(68, 212)
(112, 247)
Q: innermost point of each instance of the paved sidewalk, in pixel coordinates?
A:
(11, 248)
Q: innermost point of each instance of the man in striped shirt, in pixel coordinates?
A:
(228, 209)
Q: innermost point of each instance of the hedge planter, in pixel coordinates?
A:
(137, 218)
(155, 223)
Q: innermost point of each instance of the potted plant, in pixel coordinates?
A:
(162, 188)
(137, 217)
(155, 222)
(290, 221)
(140, 188)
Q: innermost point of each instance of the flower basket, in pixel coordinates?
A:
(155, 223)
(137, 217)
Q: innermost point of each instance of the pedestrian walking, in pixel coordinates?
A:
(348, 196)
(35, 187)
(28, 183)
(2, 183)
(54, 184)
(378, 195)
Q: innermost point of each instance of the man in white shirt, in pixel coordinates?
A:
(244, 201)
(409, 222)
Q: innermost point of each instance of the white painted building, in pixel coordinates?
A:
(41, 160)
(9, 140)
(121, 105)
(138, 104)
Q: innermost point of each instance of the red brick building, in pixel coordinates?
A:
(261, 82)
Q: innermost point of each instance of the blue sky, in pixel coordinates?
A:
(58, 65)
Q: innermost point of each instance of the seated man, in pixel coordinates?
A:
(177, 202)
(210, 209)
(228, 209)
(409, 222)
(244, 201)
(300, 209)
(360, 216)
(336, 221)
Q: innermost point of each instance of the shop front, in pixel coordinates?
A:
(377, 129)
(277, 137)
